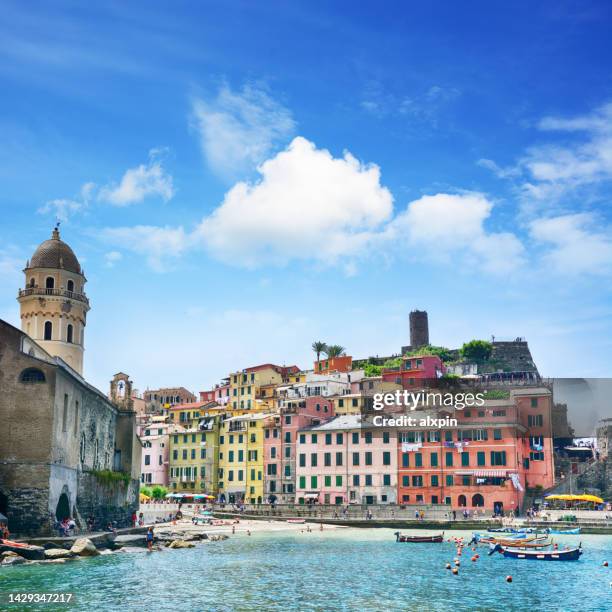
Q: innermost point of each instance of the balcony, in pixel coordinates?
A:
(79, 297)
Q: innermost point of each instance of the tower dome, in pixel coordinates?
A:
(53, 303)
(55, 253)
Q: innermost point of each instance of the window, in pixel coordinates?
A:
(355, 480)
(32, 375)
(193, 453)
(313, 459)
(147, 459)
(328, 438)
(339, 438)
(302, 482)
(498, 457)
(69, 331)
(288, 437)
(338, 458)
(48, 330)
(65, 413)
(386, 458)
(338, 481)
(534, 402)
(449, 481)
(497, 434)
(327, 459)
(76, 416)
(49, 282)
(434, 460)
(387, 480)
(535, 420)
(385, 437)
(313, 438)
(202, 453)
(341, 403)
(449, 459)
(302, 438)
(302, 460)
(327, 481)
(405, 460)
(240, 455)
(418, 460)
(434, 480)
(355, 458)
(465, 459)
(287, 452)
(313, 482)
(499, 413)
(368, 480)
(287, 420)
(417, 481)
(184, 453)
(405, 481)
(480, 458)
(368, 458)
(355, 437)
(175, 454)
(230, 456)
(355, 402)
(368, 437)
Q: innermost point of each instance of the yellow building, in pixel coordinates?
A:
(352, 403)
(194, 455)
(248, 386)
(241, 459)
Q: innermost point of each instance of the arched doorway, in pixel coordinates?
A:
(462, 501)
(477, 501)
(62, 510)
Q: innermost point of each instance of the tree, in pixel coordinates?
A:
(476, 351)
(146, 491)
(158, 492)
(319, 347)
(334, 350)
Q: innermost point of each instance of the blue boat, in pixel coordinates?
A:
(575, 531)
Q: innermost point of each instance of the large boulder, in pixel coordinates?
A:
(58, 553)
(32, 553)
(12, 559)
(180, 544)
(84, 547)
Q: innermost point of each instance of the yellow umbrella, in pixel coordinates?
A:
(144, 497)
(589, 498)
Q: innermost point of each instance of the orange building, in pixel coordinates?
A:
(343, 363)
(487, 461)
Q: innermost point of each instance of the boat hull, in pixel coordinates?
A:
(435, 539)
(541, 555)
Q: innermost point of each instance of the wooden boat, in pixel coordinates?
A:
(575, 531)
(515, 541)
(525, 545)
(417, 539)
(572, 554)
(27, 551)
(296, 521)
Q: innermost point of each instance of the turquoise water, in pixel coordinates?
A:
(351, 569)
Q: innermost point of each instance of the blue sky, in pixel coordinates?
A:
(241, 179)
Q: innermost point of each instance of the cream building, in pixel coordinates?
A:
(53, 304)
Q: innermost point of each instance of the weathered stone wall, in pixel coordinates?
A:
(598, 478)
(106, 502)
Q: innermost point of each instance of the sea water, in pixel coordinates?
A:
(345, 569)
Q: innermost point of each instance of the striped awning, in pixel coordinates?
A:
(483, 473)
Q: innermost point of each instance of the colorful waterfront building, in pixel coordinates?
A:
(244, 386)
(487, 461)
(280, 437)
(414, 369)
(153, 433)
(341, 461)
(241, 458)
(342, 363)
(194, 454)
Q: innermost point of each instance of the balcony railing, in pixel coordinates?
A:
(80, 297)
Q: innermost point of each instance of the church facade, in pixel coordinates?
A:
(66, 449)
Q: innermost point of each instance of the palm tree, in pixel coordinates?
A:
(334, 350)
(319, 347)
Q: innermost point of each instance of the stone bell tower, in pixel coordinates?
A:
(53, 303)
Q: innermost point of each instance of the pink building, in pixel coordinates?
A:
(280, 435)
(155, 451)
(415, 369)
(341, 462)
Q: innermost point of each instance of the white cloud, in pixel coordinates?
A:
(306, 205)
(238, 130)
(63, 208)
(449, 227)
(158, 245)
(111, 258)
(575, 245)
(554, 170)
(150, 179)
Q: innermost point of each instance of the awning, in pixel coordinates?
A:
(491, 473)
(311, 495)
(585, 498)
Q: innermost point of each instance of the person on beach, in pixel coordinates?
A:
(134, 519)
(150, 539)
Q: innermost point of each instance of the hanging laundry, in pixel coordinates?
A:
(516, 482)
(410, 448)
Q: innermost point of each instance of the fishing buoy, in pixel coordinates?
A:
(508, 578)
(473, 548)
(605, 564)
(455, 571)
(477, 556)
(473, 558)
(448, 566)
